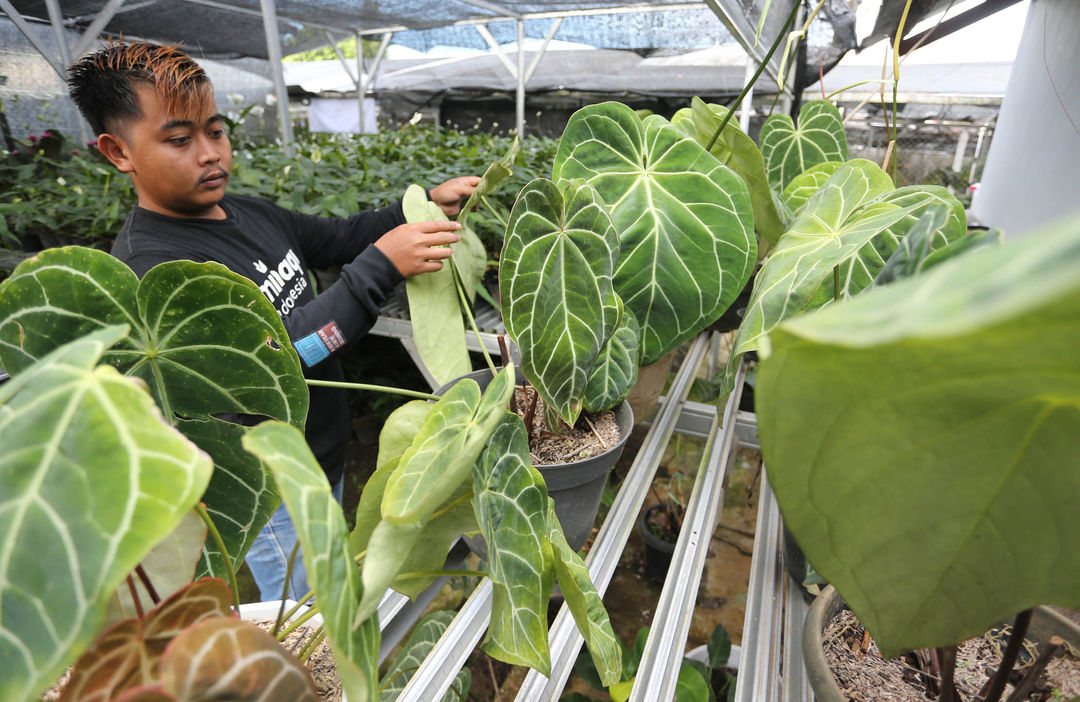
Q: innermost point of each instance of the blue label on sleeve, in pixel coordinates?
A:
(312, 349)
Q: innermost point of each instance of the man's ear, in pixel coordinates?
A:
(116, 150)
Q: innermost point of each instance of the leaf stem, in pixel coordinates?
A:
(285, 588)
(154, 597)
(947, 657)
(373, 388)
(135, 600)
(416, 574)
(298, 622)
(200, 509)
(312, 644)
(1008, 659)
(296, 607)
(836, 282)
(494, 213)
(761, 67)
(464, 498)
(472, 323)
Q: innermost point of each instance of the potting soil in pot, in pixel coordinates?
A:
(864, 676)
(593, 434)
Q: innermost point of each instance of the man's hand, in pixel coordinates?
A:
(451, 195)
(418, 247)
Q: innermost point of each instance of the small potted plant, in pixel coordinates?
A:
(925, 467)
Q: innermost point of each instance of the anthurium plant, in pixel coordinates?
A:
(115, 462)
(923, 462)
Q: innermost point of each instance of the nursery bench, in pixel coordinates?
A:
(770, 665)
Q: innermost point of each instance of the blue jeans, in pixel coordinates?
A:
(268, 557)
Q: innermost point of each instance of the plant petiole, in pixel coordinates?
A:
(200, 509)
(373, 388)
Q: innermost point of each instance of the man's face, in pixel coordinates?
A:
(179, 164)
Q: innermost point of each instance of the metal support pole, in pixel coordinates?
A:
(484, 32)
(56, 19)
(360, 84)
(91, 33)
(961, 151)
(748, 99)
(273, 51)
(24, 27)
(543, 49)
(520, 119)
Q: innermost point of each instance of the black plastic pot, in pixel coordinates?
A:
(657, 551)
(1044, 623)
(575, 487)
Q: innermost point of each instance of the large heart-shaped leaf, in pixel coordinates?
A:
(858, 272)
(128, 655)
(737, 151)
(804, 185)
(417, 647)
(434, 307)
(684, 219)
(230, 659)
(585, 604)
(789, 151)
(826, 234)
(511, 503)
(616, 370)
(91, 479)
(447, 445)
(923, 460)
(205, 340)
(332, 574)
(555, 278)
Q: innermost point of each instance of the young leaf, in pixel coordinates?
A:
(789, 151)
(961, 437)
(510, 499)
(90, 480)
(229, 659)
(400, 429)
(737, 151)
(332, 574)
(719, 647)
(585, 604)
(685, 221)
(128, 654)
(804, 185)
(437, 325)
(416, 648)
(555, 277)
(495, 174)
(616, 369)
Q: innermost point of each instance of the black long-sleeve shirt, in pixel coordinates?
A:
(274, 247)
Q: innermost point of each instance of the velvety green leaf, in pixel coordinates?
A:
(128, 654)
(448, 443)
(804, 185)
(495, 174)
(825, 235)
(719, 647)
(91, 479)
(691, 686)
(737, 151)
(925, 464)
(585, 604)
(511, 503)
(414, 651)
(555, 278)
(684, 219)
(170, 565)
(616, 369)
(205, 340)
(632, 655)
(789, 151)
(858, 272)
(437, 325)
(230, 659)
(241, 496)
(332, 575)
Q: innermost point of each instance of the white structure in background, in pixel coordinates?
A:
(1030, 174)
(341, 115)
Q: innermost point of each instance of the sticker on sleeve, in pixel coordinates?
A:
(332, 337)
(311, 349)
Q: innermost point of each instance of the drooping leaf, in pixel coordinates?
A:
(858, 272)
(400, 428)
(616, 369)
(169, 566)
(495, 174)
(437, 325)
(555, 278)
(443, 452)
(826, 234)
(684, 219)
(433, 544)
(128, 655)
(91, 479)
(925, 463)
(585, 604)
(230, 659)
(416, 648)
(914, 255)
(369, 509)
(804, 185)
(204, 339)
(511, 503)
(332, 574)
(737, 151)
(789, 150)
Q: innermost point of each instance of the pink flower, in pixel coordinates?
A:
(32, 138)
(46, 134)
(92, 144)
(74, 152)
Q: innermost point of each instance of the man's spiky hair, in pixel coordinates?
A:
(102, 84)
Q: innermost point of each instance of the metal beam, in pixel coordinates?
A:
(23, 26)
(543, 49)
(256, 13)
(273, 50)
(344, 63)
(946, 27)
(493, 7)
(497, 49)
(519, 101)
(366, 81)
(91, 32)
(730, 14)
(56, 18)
